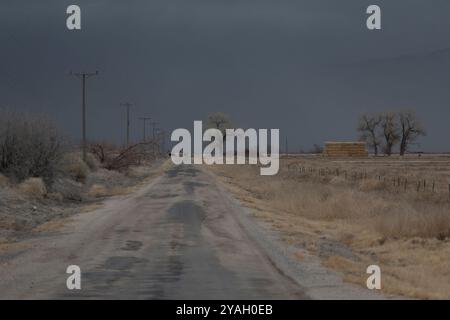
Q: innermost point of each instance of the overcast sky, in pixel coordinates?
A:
(306, 67)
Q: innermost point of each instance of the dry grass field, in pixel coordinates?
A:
(393, 212)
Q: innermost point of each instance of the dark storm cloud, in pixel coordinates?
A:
(306, 67)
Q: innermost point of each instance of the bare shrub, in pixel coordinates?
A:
(55, 196)
(107, 178)
(73, 166)
(69, 189)
(33, 187)
(103, 151)
(30, 146)
(120, 159)
(92, 162)
(138, 171)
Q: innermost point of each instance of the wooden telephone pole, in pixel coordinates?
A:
(84, 76)
(127, 105)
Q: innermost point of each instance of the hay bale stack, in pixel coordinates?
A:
(352, 149)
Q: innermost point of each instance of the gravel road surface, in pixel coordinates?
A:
(177, 238)
(182, 236)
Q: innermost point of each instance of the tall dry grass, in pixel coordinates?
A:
(406, 233)
(365, 203)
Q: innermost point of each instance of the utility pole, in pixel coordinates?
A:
(144, 119)
(83, 76)
(128, 105)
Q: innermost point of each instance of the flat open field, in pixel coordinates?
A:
(393, 212)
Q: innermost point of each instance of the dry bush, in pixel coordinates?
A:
(107, 178)
(68, 188)
(55, 196)
(33, 187)
(73, 166)
(4, 181)
(98, 191)
(138, 171)
(120, 159)
(30, 146)
(103, 151)
(92, 162)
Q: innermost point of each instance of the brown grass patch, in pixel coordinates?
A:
(407, 235)
(33, 187)
(7, 246)
(51, 225)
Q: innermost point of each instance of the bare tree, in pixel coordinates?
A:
(368, 126)
(389, 131)
(219, 120)
(410, 129)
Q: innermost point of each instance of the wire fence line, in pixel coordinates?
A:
(399, 182)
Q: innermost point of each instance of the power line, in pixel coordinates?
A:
(83, 76)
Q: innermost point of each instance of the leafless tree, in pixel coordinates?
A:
(368, 127)
(410, 129)
(219, 120)
(389, 131)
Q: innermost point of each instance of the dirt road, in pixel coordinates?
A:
(180, 237)
(177, 238)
